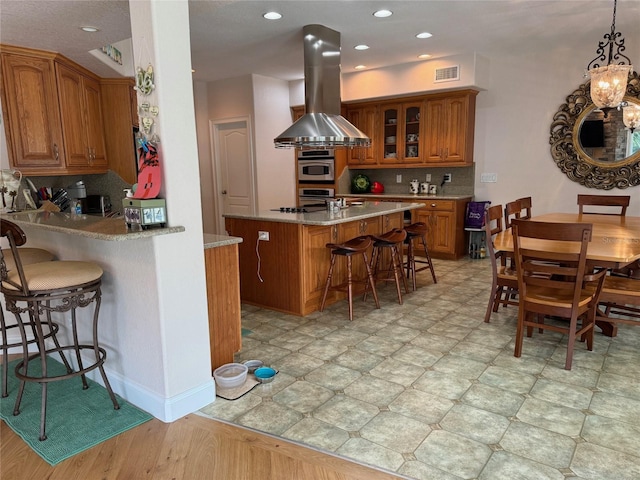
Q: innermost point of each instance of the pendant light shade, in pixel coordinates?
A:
(631, 116)
(609, 82)
(608, 85)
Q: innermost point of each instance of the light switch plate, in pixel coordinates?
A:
(427, 177)
(488, 177)
(398, 178)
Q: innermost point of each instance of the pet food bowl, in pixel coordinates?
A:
(230, 375)
(253, 364)
(265, 374)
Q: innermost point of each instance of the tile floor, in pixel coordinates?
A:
(429, 391)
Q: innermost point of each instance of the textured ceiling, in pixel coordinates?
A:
(230, 38)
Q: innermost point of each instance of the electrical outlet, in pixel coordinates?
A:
(447, 178)
(398, 178)
(263, 236)
(427, 177)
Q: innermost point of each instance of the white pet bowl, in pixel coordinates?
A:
(230, 375)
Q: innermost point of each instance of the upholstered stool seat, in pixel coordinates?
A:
(28, 256)
(391, 240)
(40, 289)
(415, 231)
(353, 247)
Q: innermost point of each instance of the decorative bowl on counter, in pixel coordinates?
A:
(230, 375)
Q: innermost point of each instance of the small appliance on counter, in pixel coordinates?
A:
(98, 205)
(145, 212)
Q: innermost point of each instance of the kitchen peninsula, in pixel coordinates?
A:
(287, 269)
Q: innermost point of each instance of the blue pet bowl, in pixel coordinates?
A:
(265, 374)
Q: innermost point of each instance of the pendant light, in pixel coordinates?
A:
(609, 82)
(631, 116)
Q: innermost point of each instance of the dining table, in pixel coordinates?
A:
(615, 243)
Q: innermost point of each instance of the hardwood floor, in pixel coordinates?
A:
(191, 448)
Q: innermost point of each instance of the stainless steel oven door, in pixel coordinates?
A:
(316, 171)
(314, 196)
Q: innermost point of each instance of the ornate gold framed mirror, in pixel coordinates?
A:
(593, 147)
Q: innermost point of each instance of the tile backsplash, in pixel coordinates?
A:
(462, 179)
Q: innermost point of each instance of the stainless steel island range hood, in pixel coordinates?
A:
(322, 125)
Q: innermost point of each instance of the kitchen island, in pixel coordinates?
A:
(287, 269)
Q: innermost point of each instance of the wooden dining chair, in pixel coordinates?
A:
(621, 201)
(511, 210)
(619, 302)
(525, 208)
(504, 286)
(553, 281)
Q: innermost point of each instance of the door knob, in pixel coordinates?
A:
(224, 192)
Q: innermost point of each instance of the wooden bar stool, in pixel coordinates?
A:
(39, 289)
(414, 231)
(27, 256)
(355, 246)
(393, 240)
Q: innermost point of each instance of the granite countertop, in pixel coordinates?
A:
(323, 217)
(91, 226)
(213, 241)
(403, 196)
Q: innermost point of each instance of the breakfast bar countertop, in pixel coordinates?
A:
(324, 217)
(213, 241)
(409, 197)
(91, 226)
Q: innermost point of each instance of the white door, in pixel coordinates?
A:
(233, 167)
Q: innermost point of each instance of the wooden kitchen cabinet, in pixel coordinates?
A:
(366, 119)
(54, 114)
(82, 126)
(450, 124)
(425, 130)
(223, 303)
(445, 219)
(120, 113)
(32, 117)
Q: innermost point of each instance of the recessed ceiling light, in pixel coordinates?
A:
(424, 55)
(360, 67)
(424, 35)
(272, 16)
(382, 13)
(90, 29)
(361, 47)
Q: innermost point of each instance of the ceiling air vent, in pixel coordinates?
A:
(447, 74)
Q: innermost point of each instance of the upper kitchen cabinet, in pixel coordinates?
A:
(450, 123)
(120, 114)
(53, 112)
(364, 117)
(82, 126)
(30, 108)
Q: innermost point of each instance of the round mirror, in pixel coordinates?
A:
(594, 147)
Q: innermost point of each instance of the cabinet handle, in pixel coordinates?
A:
(56, 153)
(433, 205)
(335, 233)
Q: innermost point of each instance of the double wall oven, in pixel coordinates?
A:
(316, 176)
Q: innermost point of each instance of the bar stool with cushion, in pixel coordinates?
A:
(416, 231)
(392, 240)
(40, 289)
(27, 256)
(355, 246)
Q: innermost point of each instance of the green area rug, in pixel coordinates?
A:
(77, 419)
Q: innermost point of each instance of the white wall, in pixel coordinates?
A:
(205, 161)
(275, 174)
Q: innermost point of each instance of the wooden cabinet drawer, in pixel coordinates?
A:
(448, 205)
